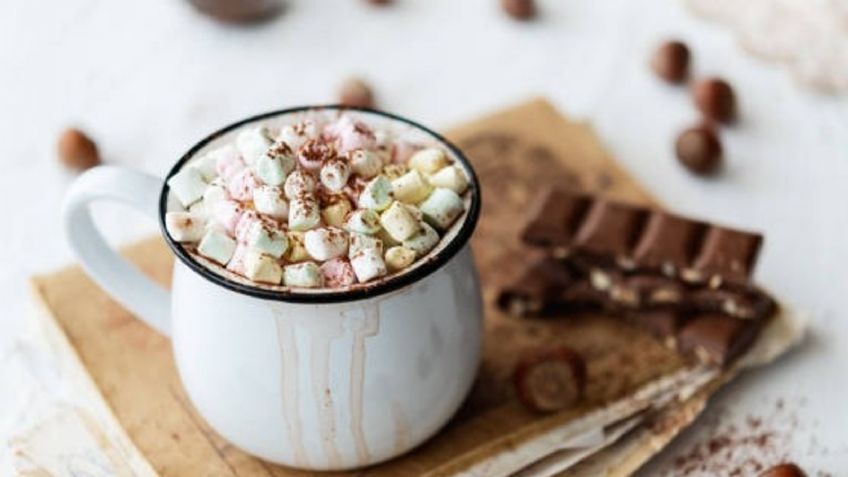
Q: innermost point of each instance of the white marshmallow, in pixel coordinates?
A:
(236, 263)
(274, 165)
(262, 268)
(188, 185)
(215, 192)
(359, 242)
(365, 164)
(261, 234)
(296, 135)
(242, 184)
(442, 208)
(185, 226)
(269, 200)
(299, 183)
(427, 161)
(207, 165)
(217, 246)
(334, 174)
(304, 213)
(363, 221)
(423, 241)
(252, 143)
(451, 177)
(410, 188)
(393, 171)
(377, 194)
(335, 213)
(296, 251)
(199, 210)
(325, 243)
(398, 258)
(399, 222)
(306, 275)
(368, 264)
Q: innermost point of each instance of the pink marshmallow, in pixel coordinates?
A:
(241, 185)
(229, 165)
(313, 154)
(403, 150)
(352, 135)
(337, 273)
(245, 222)
(228, 213)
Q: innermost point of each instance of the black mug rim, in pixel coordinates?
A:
(345, 295)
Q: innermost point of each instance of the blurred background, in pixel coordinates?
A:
(147, 79)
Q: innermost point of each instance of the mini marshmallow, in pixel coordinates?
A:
(351, 135)
(236, 263)
(325, 243)
(313, 154)
(229, 165)
(368, 264)
(188, 185)
(363, 221)
(304, 213)
(185, 226)
(393, 171)
(296, 251)
(334, 174)
(227, 214)
(241, 185)
(269, 200)
(207, 166)
(252, 143)
(365, 164)
(399, 222)
(296, 135)
(335, 213)
(262, 268)
(428, 161)
(442, 208)
(274, 165)
(450, 177)
(398, 258)
(377, 194)
(217, 246)
(299, 183)
(403, 150)
(261, 234)
(359, 242)
(410, 188)
(306, 275)
(337, 273)
(423, 241)
(199, 210)
(386, 238)
(215, 192)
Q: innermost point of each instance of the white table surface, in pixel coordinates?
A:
(149, 78)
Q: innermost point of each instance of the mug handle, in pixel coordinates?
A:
(125, 283)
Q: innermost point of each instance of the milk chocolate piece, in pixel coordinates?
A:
(537, 286)
(668, 242)
(670, 61)
(664, 324)
(551, 380)
(725, 254)
(555, 215)
(699, 149)
(717, 339)
(716, 99)
(608, 231)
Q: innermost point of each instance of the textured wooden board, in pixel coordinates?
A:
(515, 153)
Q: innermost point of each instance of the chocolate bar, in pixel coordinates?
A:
(685, 281)
(603, 232)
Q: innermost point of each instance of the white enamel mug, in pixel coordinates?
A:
(321, 381)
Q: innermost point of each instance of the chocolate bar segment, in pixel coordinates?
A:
(608, 231)
(726, 254)
(717, 339)
(668, 243)
(663, 324)
(537, 287)
(648, 291)
(555, 215)
(753, 304)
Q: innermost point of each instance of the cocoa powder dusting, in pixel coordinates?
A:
(742, 447)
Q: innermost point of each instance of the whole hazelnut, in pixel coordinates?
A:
(355, 92)
(670, 61)
(76, 150)
(699, 149)
(519, 9)
(715, 99)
